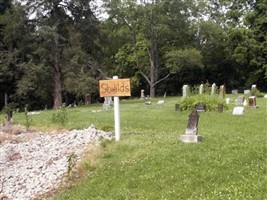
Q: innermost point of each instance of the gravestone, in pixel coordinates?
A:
(246, 91)
(201, 88)
(177, 107)
(201, 107)
(238, 110)
(191, 132)
(227, 100)
(222, 92)
(142, 94)
(235, 91)
(252, 102)
(160, 102)
(240, 100)
(148, 102)
(107, 103)
(265, 96)
(213, 88)
(185, 90)
(253, 90)
(87, 99)
(220, 108)
(245, 103)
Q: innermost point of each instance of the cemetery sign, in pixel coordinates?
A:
(114, 88)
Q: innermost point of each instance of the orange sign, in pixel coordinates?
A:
(115, 87)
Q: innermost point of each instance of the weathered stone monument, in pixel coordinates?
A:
(201, 107)
(87, 99)
(185, 90)
(191, 132)
(107, 103)
(235, 91)
(252, 102)
(227, 100)
(213, 89)
(142, 94)
(220, 108)
(201, 88)
(240, 100)
(222, 92)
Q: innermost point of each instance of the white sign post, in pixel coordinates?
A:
(117, 116)
(115, 88)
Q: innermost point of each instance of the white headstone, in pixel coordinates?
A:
(213, 88)
(246, 91)
(227, 100)
(238, 110)
(201, 87)
(160, 102)
(142, 94)
(185, 90)
(265, 96)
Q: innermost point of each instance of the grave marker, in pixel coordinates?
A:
(252, 102)
(222, 92)
(240, 100)
(238, 110)
(213, 89)
(201, 88)
(185, 91)
(191, 132)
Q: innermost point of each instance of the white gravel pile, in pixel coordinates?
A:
(34, 166)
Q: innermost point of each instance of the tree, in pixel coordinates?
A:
(257, 22)
(14, 36)
(151, 29)
(55, 22)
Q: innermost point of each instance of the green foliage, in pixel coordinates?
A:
(72, 159)
(211, 102)
(60, 116)
(183, 59)
(28, 121)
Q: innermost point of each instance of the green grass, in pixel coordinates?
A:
(151, 163)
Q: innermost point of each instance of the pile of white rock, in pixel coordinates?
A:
(33, 164)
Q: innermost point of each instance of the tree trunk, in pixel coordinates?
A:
(57, 76)
(57, 89)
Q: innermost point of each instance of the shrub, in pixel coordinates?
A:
(60, 116)
(211, 102)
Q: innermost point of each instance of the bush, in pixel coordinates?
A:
(60, 116)
(211, 102)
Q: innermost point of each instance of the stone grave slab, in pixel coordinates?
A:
(238, 110)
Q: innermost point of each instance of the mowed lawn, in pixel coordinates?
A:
(151, 163)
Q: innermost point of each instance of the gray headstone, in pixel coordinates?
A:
(240, 100)
(191, 132)
(107, 103)
(200, 107)
(238, 110)
(220, 108)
